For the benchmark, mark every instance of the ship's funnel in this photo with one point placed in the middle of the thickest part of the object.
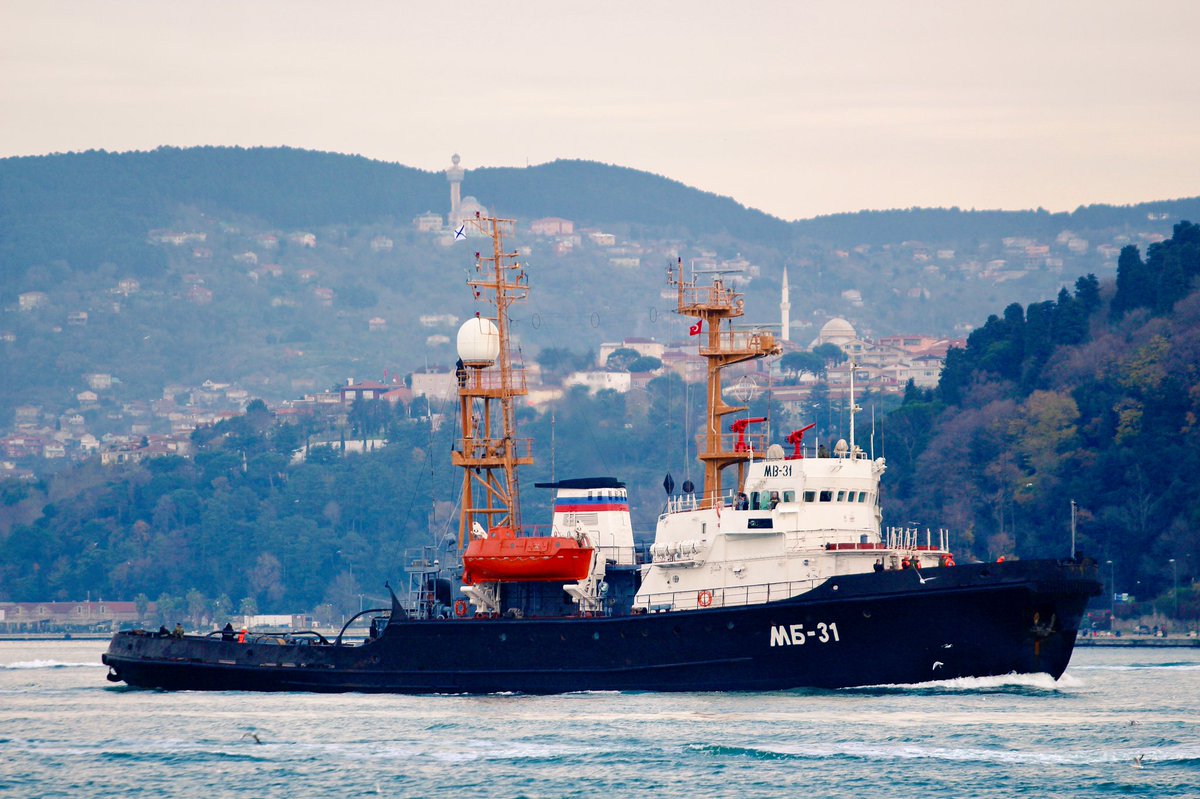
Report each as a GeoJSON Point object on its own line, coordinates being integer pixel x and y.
{"type": "Point", "coordinates": [478, 343]}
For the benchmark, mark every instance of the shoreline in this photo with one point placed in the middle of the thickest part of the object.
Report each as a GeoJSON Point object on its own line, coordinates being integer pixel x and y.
{"type": "Point", "coordinates": [1140, 641]}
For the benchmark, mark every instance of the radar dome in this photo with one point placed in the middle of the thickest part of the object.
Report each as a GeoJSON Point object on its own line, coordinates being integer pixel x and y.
{"type": "Point", "coordinates": [478, 342]}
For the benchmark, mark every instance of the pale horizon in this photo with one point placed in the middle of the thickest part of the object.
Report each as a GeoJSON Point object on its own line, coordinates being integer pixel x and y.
{"type": "Point", "coordinates": [792, 110]}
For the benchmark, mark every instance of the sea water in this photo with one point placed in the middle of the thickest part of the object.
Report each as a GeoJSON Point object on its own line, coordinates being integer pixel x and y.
{"type": "Point", "coordinates": [67, 732]}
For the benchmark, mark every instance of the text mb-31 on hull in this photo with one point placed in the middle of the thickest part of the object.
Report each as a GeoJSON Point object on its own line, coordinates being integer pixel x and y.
{"type": "Point", "coordinates": [784, 580]}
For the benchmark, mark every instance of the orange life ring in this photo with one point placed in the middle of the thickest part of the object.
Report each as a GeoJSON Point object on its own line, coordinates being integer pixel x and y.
{"type": "Point", "coordinates": [704, 598]}
{"type": "Point", "coordinates": [460, 608]}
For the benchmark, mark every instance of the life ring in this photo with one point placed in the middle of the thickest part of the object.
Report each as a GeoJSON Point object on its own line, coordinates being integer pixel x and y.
{"type": "Point", "coordinates": [704, 598]}
{"type": "Point", "coordinates": [460, 607]}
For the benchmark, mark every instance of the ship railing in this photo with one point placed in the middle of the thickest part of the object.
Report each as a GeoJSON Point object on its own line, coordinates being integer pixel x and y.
{"type": "Point", "coordinates": [493, 380]}
{"type": "Point", "coordinates": [734, 341]}
{"type": "Point", "coordinates": [679, 503]}
{"type": "Point", "coordinates": [492, 449]}
{"type": "Point", "coordinates": [830, 538]}
{"type": "Point", "coordinates": [913, 538]}
{"type": "Point", "coordinates": [617, 554]}
{"type": "Point", "coordinates": [728, 597]}
{"type": "Point", "coordinates": [711, 296]}
{"type": "Point", "coordinates": [753, 444]}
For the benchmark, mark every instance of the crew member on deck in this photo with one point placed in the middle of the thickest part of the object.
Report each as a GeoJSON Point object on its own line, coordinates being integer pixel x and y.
{"type": "Point", "coordinates": [878, 565]}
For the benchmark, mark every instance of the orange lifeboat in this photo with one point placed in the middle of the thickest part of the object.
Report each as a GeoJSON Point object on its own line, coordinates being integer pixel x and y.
{"type": "Point", "coordinates": [504, 557]}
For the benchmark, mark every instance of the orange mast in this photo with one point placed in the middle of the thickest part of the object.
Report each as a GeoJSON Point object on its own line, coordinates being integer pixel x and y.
{"type": "Point", "coordinates": [488, 451]}
{"type": "Point", "coordinates": [710, 306]}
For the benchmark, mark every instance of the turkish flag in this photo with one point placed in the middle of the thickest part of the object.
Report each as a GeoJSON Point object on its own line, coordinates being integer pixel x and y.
{"type": "Point", "coordinates": [694, 330]}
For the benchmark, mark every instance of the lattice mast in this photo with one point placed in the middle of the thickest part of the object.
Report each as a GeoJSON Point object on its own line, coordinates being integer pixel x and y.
{"type": "Point", "coordinates": [489, 451]}
{"type": "Point", "coordinates": [712, 306]}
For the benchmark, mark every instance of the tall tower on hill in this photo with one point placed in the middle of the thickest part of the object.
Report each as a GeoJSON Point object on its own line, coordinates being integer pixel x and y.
{"type": "Point", "coordinates": [455, 175]}
{"type": "Point", "coordinates": [785, 307]}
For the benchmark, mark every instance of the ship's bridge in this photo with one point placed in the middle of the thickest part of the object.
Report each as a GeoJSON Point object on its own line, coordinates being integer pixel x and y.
{"type": "Point", "coordinates": [836, 484]}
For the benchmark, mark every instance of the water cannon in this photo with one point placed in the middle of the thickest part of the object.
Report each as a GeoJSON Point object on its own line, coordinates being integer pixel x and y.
{"type": "Point", "coordinates": [739, 427]}
{"type": "Point", "coordinates": [796, 439]}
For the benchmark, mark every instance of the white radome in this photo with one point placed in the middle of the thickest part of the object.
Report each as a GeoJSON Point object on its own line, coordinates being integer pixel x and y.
{"type": "Point", "coordinates": [478, 342]}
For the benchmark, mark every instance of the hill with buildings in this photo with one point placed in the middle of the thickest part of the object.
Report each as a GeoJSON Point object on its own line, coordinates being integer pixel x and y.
{"type": "Point", "coordinates": [144, 294]}
{"type": "Point", "coordinates": [1092, 397]}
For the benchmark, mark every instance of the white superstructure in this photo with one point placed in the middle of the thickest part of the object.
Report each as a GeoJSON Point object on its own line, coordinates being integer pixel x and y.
{"type": "Point", "coordinates": [797, 522]}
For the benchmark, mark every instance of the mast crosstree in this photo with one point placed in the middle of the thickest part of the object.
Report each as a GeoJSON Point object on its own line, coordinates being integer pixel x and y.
{"type": "Point", "coordinates": [488, 451]}
{"type": "Point", "coordinates": [712, 306]}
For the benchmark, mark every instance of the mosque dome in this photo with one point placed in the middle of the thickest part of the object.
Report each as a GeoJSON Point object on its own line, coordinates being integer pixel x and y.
{"type": "Point", "coordinates": [468, 208]}
{"type": "Point", "coordinates": [837, 331]}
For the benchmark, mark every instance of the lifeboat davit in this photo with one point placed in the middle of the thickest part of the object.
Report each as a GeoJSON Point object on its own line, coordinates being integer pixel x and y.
{"type": "Point", "coordinates": [505, 557]}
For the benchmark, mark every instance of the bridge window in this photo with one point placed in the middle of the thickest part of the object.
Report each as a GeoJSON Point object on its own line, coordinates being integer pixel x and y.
{"type": "Point", "coordinates": [754, 501]}
{"type": "Point", "coordinates": [810, 496]}
{"type": "Point", "coordinates": [850, 495]}
{"type": "Point", "coordinates": [841, 496]}
{"type": "Point", "coordinates": [827, 496]}
{"type": "Point", "coordinates": [789, 496]}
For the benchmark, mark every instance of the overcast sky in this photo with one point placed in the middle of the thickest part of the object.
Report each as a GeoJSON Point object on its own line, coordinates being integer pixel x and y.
{"type": "Point", "coordinates": [797, 108]}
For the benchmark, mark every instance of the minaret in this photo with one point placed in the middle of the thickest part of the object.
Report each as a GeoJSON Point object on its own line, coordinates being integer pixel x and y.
{"type": "Point", "coordinates": [455, 175]}
{"type": "Point", "coordinates": [784, 307]}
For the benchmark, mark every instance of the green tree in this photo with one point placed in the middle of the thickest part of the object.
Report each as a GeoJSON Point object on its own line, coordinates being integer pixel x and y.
{"type": "Point", "coordinates": [830, 353]}
{"type": "Point", "coordinates": [620, 360]}
{"type": "Point", "coordinates": [645, 364]}
{"type": "Point", "coordinates": [798, 363]}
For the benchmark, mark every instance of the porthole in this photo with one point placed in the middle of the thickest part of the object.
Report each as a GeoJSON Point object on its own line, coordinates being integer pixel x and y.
{"type": "Point", "coordinates": [503, 636]}
{"type": "Point", "coordinates": [595, 636]}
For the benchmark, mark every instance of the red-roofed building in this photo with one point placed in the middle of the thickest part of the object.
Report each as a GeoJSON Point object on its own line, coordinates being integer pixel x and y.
{"type": "Point", "coordinates": [37, 616]}
{"type": "Point", "coordinates": [552, 226]}
{"type": "Point", "coordinates": [366, 390]}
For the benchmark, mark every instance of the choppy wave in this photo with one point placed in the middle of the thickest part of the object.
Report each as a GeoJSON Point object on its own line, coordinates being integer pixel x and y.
{"type": "Point", "coordinates": [49, 664]}
{"type": "Point", "coordinates": [1000, 683]}
{"type": "Point", "coordinates": [1178, 755]}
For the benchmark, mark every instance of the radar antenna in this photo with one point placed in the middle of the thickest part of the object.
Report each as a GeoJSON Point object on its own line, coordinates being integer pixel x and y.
{"type": "Point", "coordinates": [489, 451]}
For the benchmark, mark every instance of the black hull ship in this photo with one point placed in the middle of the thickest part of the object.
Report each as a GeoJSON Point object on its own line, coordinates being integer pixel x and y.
{"type": "Point", "coordinates": [869, 629]}
{"type": "Point", "coordinates": [783, 581]}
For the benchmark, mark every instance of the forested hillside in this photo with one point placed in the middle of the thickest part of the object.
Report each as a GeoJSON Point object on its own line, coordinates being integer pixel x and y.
{"type": "Point", "coordinates": [1093, 397]}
